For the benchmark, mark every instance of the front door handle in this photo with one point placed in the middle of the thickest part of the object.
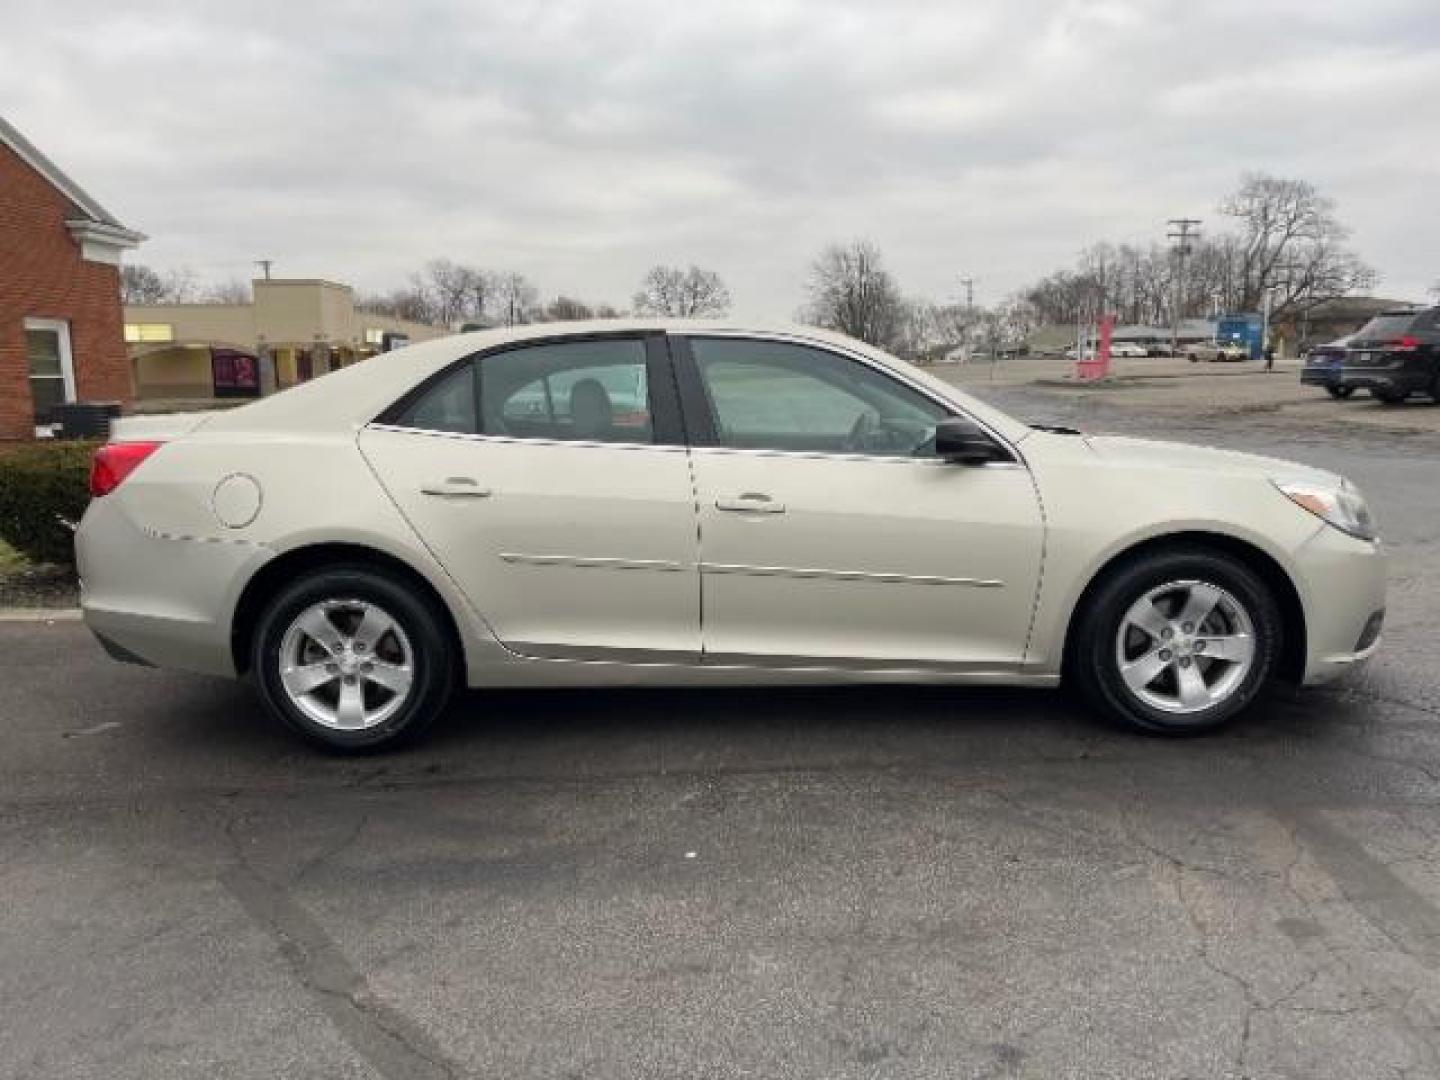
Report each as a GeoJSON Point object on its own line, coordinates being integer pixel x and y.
{"type": "Point", "coordinates": [752, 502]}
{"type": "Point", "coordinates": [457, 487]}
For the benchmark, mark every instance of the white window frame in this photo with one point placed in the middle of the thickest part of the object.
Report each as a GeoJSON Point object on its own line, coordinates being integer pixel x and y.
{"type": "Point", "coordinates": [61, 328]}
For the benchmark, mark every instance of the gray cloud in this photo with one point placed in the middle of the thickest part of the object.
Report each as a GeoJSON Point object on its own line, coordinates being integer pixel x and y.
{"type": "Point", "coordinates": [580, 142]}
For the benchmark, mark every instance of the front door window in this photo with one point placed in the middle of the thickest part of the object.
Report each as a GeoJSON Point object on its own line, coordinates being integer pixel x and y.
{"type": "Point", "coordinates": [52, 376]}
{"type": "Point", "coordinates": [773, 395]}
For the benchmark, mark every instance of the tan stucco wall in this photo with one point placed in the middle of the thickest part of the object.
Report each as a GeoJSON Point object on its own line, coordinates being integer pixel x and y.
{"type": "Point", "coordinates": [174, 373]}
{"type": "Point", "coordinates": [229, 324]}
{"type": "Point", "coordinates": [285, 311]}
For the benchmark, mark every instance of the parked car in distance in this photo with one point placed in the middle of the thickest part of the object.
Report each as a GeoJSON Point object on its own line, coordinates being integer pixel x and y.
{"type": "Point", "coordinates": [1219, 351]}
{"type": "Point", "coordinates": [1322, 367]}
{"type": "Point", "coordinates": [1076, 353]}
{"type": "Point", "coordinates": [1159, 349]}
{"type": "Point", "coordinates": [477, 512]}
{"type": "Point", "coordinates": [1127, 349]}
{"type": "Point", "coordinates": [1394, 355]}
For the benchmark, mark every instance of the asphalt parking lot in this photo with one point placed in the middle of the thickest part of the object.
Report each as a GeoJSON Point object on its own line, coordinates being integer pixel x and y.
{"type": "Point", "coordinates": [879, 882]}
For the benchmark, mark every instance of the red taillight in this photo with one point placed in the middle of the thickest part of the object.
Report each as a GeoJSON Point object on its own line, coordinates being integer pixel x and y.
{"type": "Point", "coordinates": [113, 462]}
{"type": "Point", "coordinates": [1408, 343]}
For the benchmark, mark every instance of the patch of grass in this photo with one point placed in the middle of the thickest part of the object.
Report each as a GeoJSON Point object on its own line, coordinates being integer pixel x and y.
{"type": "Point", "coordinates": [10, 559]}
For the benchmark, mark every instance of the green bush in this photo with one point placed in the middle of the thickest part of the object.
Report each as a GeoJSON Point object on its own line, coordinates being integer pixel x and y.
{"type": "Point", "coordinates": [40, 484]}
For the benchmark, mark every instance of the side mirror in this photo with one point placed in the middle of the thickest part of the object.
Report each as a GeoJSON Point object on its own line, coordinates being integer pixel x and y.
{"type": "Point", "coordinates": [964, 442]}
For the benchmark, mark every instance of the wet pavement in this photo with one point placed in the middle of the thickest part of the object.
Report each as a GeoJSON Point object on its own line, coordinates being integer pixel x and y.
{"type": "Point", "coordinates": [876, 882]}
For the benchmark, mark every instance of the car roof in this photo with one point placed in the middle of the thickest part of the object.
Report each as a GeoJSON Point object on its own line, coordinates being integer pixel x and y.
{"type": "Point", "coordinates": [353, 396]}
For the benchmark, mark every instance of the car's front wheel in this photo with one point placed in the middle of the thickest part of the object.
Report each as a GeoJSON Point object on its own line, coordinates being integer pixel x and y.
{"type": "Point", "coordinates": [1341, 392]}
{"type": "Point", "coordinates": [351, 659]}
{"type": "Point", "coordinates": [1176, 642]}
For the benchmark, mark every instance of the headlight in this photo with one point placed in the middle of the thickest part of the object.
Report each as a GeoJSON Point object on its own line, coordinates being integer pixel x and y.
{"type": "Point", "coordinates": [1342, 506]}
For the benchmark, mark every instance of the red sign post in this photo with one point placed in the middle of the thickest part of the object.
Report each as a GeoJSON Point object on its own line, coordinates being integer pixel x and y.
{"type": "Point", "coordinates": [1098, 365]}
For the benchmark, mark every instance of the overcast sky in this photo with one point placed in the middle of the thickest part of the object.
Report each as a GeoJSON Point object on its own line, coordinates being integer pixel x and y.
{"type": "Point", "coordinates": [580, 142]}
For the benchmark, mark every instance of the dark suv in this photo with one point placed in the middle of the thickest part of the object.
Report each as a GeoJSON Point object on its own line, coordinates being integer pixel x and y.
{"type": "Point", "coordinates": [1394, 355]}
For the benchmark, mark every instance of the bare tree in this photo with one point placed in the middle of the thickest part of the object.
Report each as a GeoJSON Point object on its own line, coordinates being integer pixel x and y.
{"type": "Point", "coordinates": [1291, 241]}
{"type": "Point", "coordinates": [480, 289]}
{"type": "Point", "coordinates": [850, 291]}
{"type": "Point", "coordinates": [449, 287]}
{"type": "Point", "coordinates": [140, 285]}
{"type": "Point", "coordinates": [683, 294]}
{"type": "Point", "coordinates": [233, 291]}
{"type": "Point", "coordinates": [516, 299]}
{"type": "Point", "coordinates": [567, 309]}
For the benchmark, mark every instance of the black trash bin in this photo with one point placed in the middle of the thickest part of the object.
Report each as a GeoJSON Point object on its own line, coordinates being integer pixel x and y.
{"type": "Point", "coordinates": [84, 419]}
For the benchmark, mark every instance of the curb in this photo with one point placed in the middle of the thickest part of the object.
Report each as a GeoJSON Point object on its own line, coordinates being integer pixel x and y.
{"type": "Point", "coordinates": [32, 615]}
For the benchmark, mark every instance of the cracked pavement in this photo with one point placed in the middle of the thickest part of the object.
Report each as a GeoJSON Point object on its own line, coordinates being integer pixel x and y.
{"type": "Point", "coordinates": [877, 882]}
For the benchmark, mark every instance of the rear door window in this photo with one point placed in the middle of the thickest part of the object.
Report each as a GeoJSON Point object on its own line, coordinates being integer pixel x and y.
{"type": "Point", "coordinates": [588, 391]}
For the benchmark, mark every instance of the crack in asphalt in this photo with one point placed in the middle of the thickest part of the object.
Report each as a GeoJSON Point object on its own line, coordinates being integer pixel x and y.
{"type": "Point", "coordinates": [394, 1045]}
{"type": "Point", "coordinates": [1404, 917]}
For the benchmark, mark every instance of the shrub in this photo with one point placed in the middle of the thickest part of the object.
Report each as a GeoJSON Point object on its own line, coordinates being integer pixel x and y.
{"type": "Point", "coordinates": [41, 484]}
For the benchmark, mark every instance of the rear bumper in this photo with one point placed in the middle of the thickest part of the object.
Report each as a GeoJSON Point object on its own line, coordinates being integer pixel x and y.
{"type": "Point", "coordinates": [1320, 376]}
{"type": "Point", "coordinates": [1343, 583]}
{"type": "Point", "coordinates": [166, 601]}
{"type": "Point", "coordinates": [1396, 380]}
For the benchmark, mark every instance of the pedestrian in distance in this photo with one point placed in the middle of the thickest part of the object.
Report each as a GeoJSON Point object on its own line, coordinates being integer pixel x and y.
{"type": "Point", "coordinates": [1269, 356]}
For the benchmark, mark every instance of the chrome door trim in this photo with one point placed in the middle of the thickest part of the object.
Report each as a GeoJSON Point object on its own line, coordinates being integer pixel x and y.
{"type": "Point", "coordinates": [466, 436]}
{"type": "Point", "coordinates": [543, 650]}
{"type": "Point", "coordinates": [879, 459]}
{"type": "Point", "coordinates": [847, 575]}
{"type": "Point", "coordinates": [588, 562]}
{"type": "Point", "coordinates": [537, 650]}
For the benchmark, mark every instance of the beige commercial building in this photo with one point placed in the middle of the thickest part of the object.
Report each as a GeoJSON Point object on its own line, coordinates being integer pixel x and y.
{"type": "Point", "coordinates": [293, 330]}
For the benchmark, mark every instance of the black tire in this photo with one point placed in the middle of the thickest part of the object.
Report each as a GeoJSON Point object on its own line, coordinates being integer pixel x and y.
{"type": "Point", "coordinates": [1341, 393]}
{"type": "Point", "coordinates": [1092, 664]}
{"type": "Point", "coordinates": [434, 655]}
{"type": "Point", "coordinates": [1389, 397]}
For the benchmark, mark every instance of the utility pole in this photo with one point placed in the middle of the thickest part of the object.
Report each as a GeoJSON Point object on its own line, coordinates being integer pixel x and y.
{"type": "Point", "coordinates": [265, 265]}
{"type": "Point", "coordinates": [969, 284]}
{"type": "Point", "coordinates": [1181, 233]}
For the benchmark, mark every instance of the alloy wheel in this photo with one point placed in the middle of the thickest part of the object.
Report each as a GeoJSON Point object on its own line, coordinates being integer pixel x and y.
{"type": "Point", "coordinates": [347, 664]}
{"type": "Point", "coordinates": [1184, 647]}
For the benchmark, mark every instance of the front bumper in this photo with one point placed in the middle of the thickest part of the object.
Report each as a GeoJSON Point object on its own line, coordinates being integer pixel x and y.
{"type": "Point", "coordinates": [1342, 583]}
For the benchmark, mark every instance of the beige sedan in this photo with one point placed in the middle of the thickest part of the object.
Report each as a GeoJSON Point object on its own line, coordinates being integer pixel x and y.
{"type": "Point", "coordinates": [693, 504]}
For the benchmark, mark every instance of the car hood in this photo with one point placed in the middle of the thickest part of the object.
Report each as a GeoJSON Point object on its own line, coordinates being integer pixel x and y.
{"type": "Point", "coordinates": [1123, 450]}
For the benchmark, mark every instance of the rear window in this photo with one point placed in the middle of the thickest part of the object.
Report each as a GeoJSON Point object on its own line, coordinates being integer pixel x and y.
{"type": "Point", "coordinates": [1388, 326]}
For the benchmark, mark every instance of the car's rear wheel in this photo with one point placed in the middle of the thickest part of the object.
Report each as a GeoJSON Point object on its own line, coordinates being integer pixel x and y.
{"type": "Point", "coordinates": [1341, 392]}
{"type": "Point", "coordinates": [1176, 642]}
{"type": "Point", "coordinates": [351, 659]}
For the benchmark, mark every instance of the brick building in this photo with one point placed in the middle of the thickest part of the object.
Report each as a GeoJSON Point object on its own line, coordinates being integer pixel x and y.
{"type": "Point", "coordinates": [61, 335]}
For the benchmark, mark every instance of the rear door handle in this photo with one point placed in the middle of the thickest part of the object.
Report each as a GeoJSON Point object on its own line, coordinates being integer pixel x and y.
{"type": "Point", "coordinates": [752, 502]}
{"type": "Point", "coordinates": [457, 487]}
